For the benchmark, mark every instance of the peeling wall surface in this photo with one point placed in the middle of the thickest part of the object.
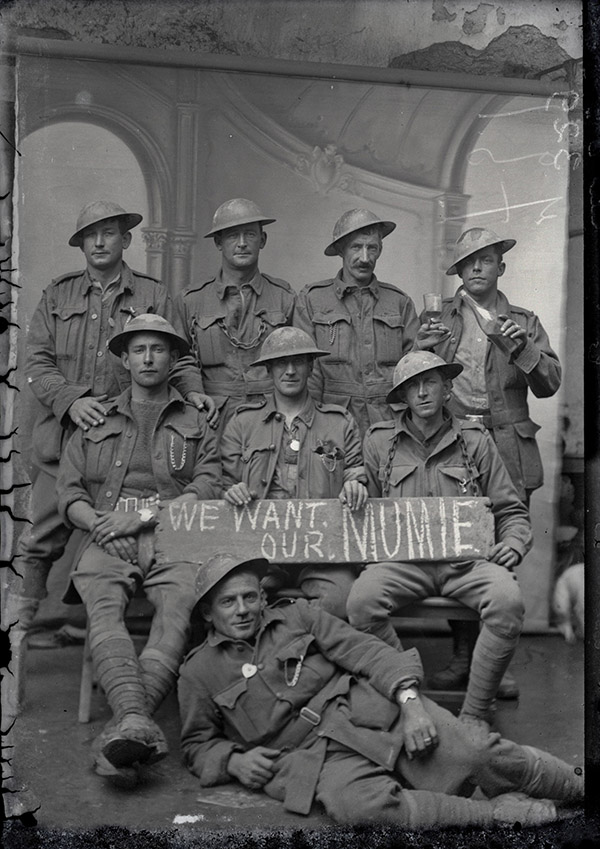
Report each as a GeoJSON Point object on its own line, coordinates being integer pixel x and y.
{"type": "Point", "coordinates": [366, 32]}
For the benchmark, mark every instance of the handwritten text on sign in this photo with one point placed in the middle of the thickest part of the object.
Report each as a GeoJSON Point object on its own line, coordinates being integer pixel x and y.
{"type": "Point", "coordinates": [297, 531]}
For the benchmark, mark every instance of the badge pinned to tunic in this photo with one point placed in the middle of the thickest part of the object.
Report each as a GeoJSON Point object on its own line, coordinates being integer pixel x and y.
{"type": "Point", "coordinates": [295, 445]}
{"type": "Point", "coordinates": [248, 670]}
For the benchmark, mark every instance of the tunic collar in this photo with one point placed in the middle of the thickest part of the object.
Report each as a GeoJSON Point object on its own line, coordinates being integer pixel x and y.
{"type": "Point", "coordinates": [306, 414]}
{"type": "Point", "coordinates": [342, 288]}
{"type": "Point", "coordinates": [126, 282]}
{"type": "Point", "coordinates": [256, 283]}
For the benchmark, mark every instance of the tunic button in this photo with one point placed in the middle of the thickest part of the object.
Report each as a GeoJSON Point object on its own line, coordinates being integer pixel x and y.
{"type": "Point", "coordinates": [278, 417]}
{"type": "Point", "coordinates": [260, 666]}
{"type": "Point", "coordinates": [99, 354]}
{"type": "Point", "coordinates": [118, 463]}
{"type": "Point", "coordinates": [271, 447]}
{"type": "Point", "coordinates": [108, 493]}
{"type": "Point", "coordinates": [94, 316]}
{"type": "Point", "coordinates": [263, 481]}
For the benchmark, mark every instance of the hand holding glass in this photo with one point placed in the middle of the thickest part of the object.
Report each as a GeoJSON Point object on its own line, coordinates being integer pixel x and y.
{"type": "Point", "coordinates": [433, 305]}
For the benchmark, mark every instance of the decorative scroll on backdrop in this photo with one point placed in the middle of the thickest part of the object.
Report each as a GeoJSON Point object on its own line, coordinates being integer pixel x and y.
{"type": "Point", "coordinates": [312, 531]}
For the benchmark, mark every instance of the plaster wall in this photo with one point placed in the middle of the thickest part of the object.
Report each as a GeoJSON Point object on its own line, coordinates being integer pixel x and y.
{"type": "Point", "coordinates": [361, 32]}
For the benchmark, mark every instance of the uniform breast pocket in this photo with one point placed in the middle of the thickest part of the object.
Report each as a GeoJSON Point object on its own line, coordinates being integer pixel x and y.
{"type": "Point", "coordinates": [529, 453]}
{"type": "Point", "coordinates": [389, 336]}
{"type": "Point", "coordinates": [301, 666]}
{"type": "Point", "coordinates": [273, 319]}
{"type": "Point", "coordinates": [330, 459]}
{"type": "Point", "coordinates": [69, 334]}
{"type": "Point", "coordinates": [332, 333]}
{"type": "Point", "coordinates": [232, 705]}
{"type": "Point", "coordinates": [255, 461]}
{"type": "Point", "coordinates": [398, 477]}
{"type": "Point", "coordinates": [181, 450]}
{"type": "Point", "coordinates": [458, 479]}
{"type": "Point", "coordinates": [101, 452]}
{"type": "Point", "coordinates": [209, 337]}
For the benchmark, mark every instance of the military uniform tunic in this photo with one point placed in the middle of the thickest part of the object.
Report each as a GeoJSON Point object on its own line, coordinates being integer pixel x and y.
{"type": "Point", "coordinates": [366, 330]}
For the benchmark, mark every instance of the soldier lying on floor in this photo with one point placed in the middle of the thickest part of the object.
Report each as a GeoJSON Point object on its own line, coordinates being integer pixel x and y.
{"type": "Point", "coordinates": [294, 701]}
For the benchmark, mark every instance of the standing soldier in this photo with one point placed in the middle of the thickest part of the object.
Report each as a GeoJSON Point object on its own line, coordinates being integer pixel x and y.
{"type": "Point", "coordinates": [71, 372]}
{"type": "Point", "coordinates": [289, 446]}
{"type": "Point", "coordinates": [364, 324]}
{"type": "Point", "coordinates": [505, 352]}
{"type": "Point", "coordinates": [227, 317]}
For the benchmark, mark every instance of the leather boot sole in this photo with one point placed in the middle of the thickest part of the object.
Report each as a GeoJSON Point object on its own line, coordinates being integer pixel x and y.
{"type": "Point", "coordinates": [125, 778]}
{"type": "Point", "coordinates": [123, 752]}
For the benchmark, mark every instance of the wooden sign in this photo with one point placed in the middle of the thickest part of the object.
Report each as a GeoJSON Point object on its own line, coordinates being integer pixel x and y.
{"type": "Point", "coordinates": [299, 531]}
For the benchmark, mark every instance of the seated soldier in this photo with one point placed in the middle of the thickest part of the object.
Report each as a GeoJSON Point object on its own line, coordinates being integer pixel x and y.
{"type": "Point", "coordinates": [288, 446]}
{"type": "Point", "coordinates": [425, 451]}
{"type": "Point", "coordinates": [296, 702]}
{"type": "Point", "coordinates": [152, 445]}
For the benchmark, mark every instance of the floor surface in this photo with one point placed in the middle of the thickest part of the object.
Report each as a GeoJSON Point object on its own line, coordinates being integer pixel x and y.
{"type": "Point", "coordinates": [53, 758]}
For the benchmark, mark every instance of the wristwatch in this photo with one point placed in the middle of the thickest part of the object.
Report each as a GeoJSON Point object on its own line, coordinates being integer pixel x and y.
{"type": "Point", "coordinates": [407, 695]}
{"type": "Point", "coordinates": [145, 514]}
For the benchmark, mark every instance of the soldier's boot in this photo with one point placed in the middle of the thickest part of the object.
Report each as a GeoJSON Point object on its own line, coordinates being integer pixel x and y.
{"type": "Point", "coordinates": [418, 809]}
{"type": "Point", "coordinates": [510, 808]}
{"type": "Point", "coordinates": [456, 675]}
{"type": "Point", "coordinates": [550, 777]}
{"type": "Point", "coordinates": [123, 777]}
{"type": "Point", "coordinates": [491, 657]}
{"type": "Point", "coordinates": [158, 682]}
{"type": "Point", "coordinates": [135, 738]}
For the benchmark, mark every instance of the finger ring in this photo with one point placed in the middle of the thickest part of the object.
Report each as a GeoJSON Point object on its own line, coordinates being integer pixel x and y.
{"type": "Point", "coordinates": [112, 533]}
{"type": "Point", "coordinates": [427, 739]}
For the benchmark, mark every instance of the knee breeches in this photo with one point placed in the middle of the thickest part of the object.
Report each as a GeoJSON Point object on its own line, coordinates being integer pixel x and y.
{"type": "Point", "coordinates": [492, 590]}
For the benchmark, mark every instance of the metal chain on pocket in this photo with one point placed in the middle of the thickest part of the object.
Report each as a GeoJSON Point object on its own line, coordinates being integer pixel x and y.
{"type": "Point", "coordinates": [332, 331]}
{"type": "Point", "coordinates": [194, 338]}
{"type": "Point", "coordinates": [472, 470]}
{"type": "Point", "coordinates": [385, 488]}
{"type": "Point", "coordinates": [174, 465]}
{"type": "Point", "coordinates": [246, 346]}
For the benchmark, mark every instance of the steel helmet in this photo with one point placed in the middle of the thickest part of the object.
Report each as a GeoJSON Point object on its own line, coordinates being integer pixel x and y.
{"type": "Point", "coordinates": [418, 362]}
{"type": "Point", "coordinates": [357, 219]}
{"type": "Point", "coordinates": [99, 210]}
{"type": "Point", "coordinates": [219, 566]}
{"type": "Point", "coordinates": [235, 212]}
{"type": "Point", "coordinates": [475, 239]}
{"type": "Point", "coordinates": [287, 342]}
{"type": "Point", "coordinates": [148, 321]}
